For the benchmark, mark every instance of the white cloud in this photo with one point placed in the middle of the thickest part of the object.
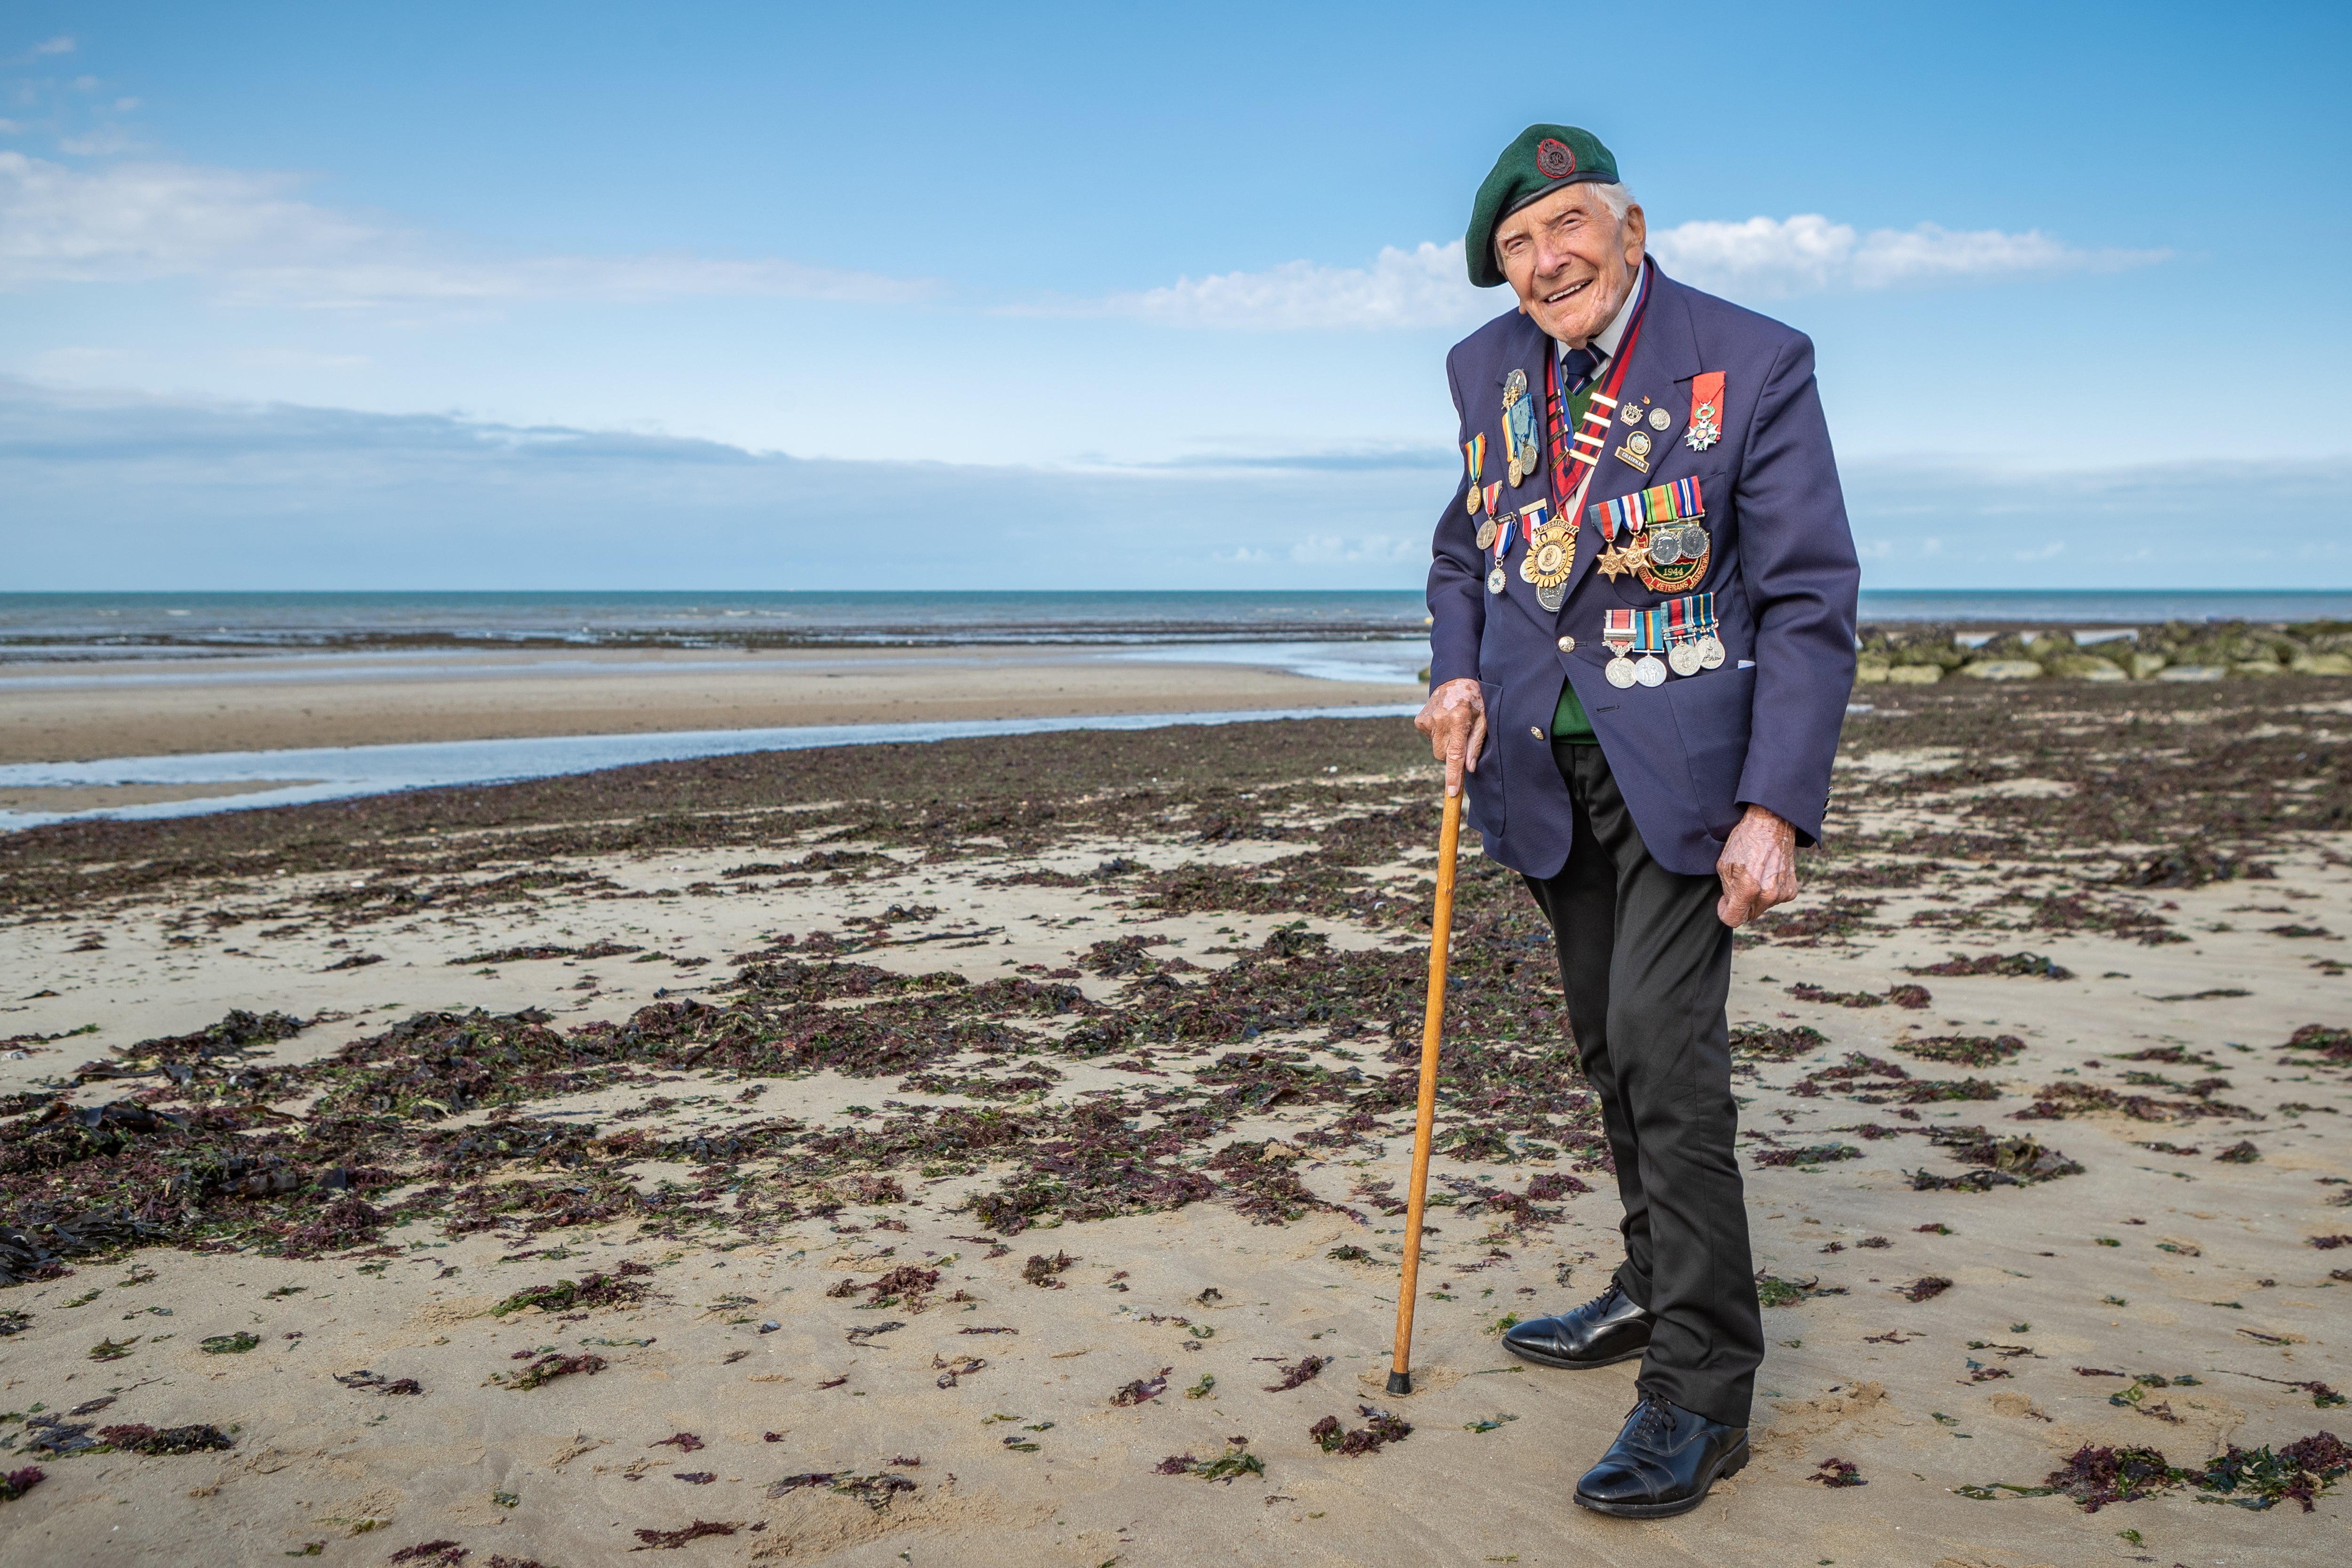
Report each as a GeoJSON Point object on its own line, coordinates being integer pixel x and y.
{"type": "Point", "coordinates": [254, 240]}
{"type": "Point", "coordinates": [1428, 287]}
{"type": "Point", "coordinates": [1423, 287]}
{"type": "Point", "coordinates": [1808, 253]}
{"type": "Point", "coordinates": [58, 45]}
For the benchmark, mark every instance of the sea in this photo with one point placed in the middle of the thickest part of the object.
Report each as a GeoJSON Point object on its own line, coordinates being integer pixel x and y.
{"type": "Point", "coordinates": [39, 626]}
{"type": "Point", "coordinates": [1346, 638]}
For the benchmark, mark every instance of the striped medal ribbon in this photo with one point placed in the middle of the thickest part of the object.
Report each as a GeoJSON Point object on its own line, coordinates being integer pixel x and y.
{"type": "Point", "coordinates": [1650, 641]}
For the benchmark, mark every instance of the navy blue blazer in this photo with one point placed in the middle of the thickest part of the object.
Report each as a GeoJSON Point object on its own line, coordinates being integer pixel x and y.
{"type": "Point", "coordinates": [1692, 754]}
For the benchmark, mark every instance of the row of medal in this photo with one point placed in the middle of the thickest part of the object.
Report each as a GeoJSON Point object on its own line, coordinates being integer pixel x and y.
{"type": "Point", "coordinates": [1684, 630]}
{"type": "Point", "coordinates": [1666, 542]}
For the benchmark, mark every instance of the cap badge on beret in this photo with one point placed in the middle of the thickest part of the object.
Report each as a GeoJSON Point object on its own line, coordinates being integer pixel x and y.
{"type": "Point", "coordinates": [1554, 158]}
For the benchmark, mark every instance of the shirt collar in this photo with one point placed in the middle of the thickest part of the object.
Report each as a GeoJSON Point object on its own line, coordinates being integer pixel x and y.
{"type": "Point", "coordinates": [1606, 340]}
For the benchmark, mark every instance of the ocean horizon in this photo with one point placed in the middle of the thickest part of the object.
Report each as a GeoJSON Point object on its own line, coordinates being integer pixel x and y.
{"type": "Point", "coordinates": [85, 624]}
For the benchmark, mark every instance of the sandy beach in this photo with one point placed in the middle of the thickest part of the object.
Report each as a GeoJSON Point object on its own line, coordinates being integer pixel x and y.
{"type": "Point", "coordinates": [122, 708]}
{"type": "Point", "coordinates": [933, 1154]}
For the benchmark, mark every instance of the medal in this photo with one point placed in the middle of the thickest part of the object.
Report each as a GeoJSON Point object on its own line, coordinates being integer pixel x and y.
{"type": "Point", "coordinates": [1615, 562]}
{"type": "Point", "coordinates": [1519, 428]}
{"type": "Point", "coordinates": [1636, 450]}
{"type": "Point", "coordinates": [1660, 420]}
{"type": "Point", "coordinates": [1710, 639]}
{"type": "Point", "coordinates": [1496, 535]}
{"type": "Point", "coordinates": [1682, 647]}
{"type": "Point", "coordinates": [1617, 637]}
{"type": "Point", "coordinates": [1706, 411]}
{"type": "Point", "coordinates": [1631, 414]}
{"type": "Point", "coordinates": [1553, 597]}
{"type": "Point", "coordinates": [1474, 452]}
{"type": "Point", "coordinates": [1649, 641]}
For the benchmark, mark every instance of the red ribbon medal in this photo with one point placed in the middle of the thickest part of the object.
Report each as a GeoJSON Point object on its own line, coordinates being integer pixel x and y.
{"type": "Point", "coordinates": [1706, 427]}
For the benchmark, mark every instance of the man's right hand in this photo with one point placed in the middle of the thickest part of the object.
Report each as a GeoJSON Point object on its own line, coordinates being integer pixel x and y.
{"type": "Point", "coordinates": [1455, 720]}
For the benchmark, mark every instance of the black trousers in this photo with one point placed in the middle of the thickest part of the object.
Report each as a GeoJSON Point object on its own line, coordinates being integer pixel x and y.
{"type": "Point", "coordinates": [1647, 966]}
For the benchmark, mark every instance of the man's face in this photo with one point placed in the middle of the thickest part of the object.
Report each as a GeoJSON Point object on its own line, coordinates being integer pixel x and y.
{"type": "Point", "coordinates": [1570, 260]}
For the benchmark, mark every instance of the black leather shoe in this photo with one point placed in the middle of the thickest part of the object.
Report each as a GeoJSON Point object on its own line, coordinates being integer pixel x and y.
{"type": "Point", "coordinates": [1662, 1463]}
{"type": "Point", "coordinates": [1604, 1331]}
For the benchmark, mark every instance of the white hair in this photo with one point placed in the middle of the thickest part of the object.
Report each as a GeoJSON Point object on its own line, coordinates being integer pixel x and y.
{"type": "Point", "coordinates": [1617, 198]}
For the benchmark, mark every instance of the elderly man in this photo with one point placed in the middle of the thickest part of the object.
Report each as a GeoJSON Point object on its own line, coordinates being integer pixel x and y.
{"type": "Point", "coordinates": [1642, 607]}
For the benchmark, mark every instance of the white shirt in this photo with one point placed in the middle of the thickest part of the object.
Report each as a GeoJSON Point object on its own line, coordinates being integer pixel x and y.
{"type": "Point", "coordinates": [1604, 341]}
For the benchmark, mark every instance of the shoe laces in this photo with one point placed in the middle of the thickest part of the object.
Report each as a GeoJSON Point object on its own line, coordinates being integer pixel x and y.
{"type": "Point", "coordinates": [1602, 1297]}
{"type": "Point", "coordinates": [1650, 1417]}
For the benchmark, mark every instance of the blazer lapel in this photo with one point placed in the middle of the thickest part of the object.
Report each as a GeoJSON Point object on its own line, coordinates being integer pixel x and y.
{"type": "Point", "coordinates": [1663, 360]}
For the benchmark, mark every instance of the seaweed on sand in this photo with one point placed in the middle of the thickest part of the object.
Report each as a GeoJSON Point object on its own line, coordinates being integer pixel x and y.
{"type": "Point", "coordinates": [2002, 1162]}
{"type": "Point", "coordinates": [1379, 1429]}
{"type": "Point", "coordinates": [2006, 963]}
{"type": "Point", "coordinates": [596, 1290]}
{"type": "Point", "coordinates": [1963, 1050]}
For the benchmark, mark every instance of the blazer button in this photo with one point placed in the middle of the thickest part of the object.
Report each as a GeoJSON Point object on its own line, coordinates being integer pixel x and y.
{"type": "Point", "coordinates": [1537, 730]}
{"type": "Point", "coordinates": [1568, 645]}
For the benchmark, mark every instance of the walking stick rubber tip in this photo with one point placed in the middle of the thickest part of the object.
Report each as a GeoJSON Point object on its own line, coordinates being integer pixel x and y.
{"type": "Point", "coordinates": [1400, 1382]}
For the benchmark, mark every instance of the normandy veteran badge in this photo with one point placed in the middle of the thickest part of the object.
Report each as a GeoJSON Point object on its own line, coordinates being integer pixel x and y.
{"type": "Point", "coordinates": [1519, 428]}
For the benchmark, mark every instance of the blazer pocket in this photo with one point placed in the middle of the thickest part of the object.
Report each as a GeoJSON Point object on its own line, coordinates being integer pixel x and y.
{"type": "Point", "coordinates": [1714, 712]}
{"type": "Point", "coordinates": [1484, 788]}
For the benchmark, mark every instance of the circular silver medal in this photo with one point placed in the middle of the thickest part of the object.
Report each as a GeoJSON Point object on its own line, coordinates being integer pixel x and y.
{"type": "Point", "coordinates": [1684, 658]}
{"type": "Point", "coordinates": [1660, 419]}
{"type": "Point", "coordinates": [1649, 671]}
{"type": "Point", "coordinates": [1665, 546]}
{"type": "Point", "coordinates": [1551, 598]}
{"type": "Point", "coordinates": [1486, 535]}
{"type": "Point", "coordinates": [1495, 581]}
{"type": "Point", "coordinates": [1711, 652]}
{"type": "Point", "coordinates": [1620, 671]}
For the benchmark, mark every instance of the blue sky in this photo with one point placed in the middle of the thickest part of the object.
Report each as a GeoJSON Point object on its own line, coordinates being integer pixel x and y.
{"type": "Point", "coordinates": [703, 296]}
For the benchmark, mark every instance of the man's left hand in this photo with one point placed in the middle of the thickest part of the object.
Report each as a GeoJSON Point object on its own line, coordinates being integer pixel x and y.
{"type": "Point", "coordinates": [1759, 867]}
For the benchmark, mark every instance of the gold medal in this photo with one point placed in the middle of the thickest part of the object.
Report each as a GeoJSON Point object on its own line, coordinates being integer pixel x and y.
{"type": "Point", "coordinates": [1486, 535]}
{"type": "Point", "coordinates": [1636, 450]}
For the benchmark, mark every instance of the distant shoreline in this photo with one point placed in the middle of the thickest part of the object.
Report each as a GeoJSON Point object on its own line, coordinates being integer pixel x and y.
{"type": "Point", "coordinates": [75, 627]}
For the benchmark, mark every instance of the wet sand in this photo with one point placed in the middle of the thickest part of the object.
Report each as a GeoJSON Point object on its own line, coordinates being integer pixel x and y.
{"type": "Point", "coordinates": [1176, 976]}
{"type": "Point", "coordinates": [52, 713]}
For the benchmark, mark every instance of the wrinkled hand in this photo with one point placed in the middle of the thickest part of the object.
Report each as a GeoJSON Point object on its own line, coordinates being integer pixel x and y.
{"type": "Point", "coordinates": [1455, 720]}
{"type": "Point", "coordinates": [1759, 867]}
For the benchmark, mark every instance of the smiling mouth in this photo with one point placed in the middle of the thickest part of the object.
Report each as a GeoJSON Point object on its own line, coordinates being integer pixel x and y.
{"type": "Point", "coordinates": [1572, 288]}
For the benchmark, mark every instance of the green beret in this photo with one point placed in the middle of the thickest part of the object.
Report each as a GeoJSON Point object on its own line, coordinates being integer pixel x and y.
{"type": "Point", "coordinates": [1540, 160]}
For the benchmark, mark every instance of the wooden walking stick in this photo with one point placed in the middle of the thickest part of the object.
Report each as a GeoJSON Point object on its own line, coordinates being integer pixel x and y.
{"type": "Point", "coordinates": [1433, 1028]}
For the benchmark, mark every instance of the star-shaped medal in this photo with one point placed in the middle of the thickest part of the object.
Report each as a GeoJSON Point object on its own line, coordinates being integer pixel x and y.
{"type": "Point", "coordinates": [1614, 564]}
